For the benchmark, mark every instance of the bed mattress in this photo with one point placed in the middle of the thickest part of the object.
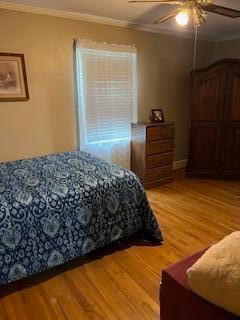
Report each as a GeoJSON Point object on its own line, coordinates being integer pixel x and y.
{"type": "Point", "coordinates": [59, 207]}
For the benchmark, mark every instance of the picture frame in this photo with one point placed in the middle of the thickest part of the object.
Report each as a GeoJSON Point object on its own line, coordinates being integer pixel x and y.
{"type": "Point", "coordinates": [158, 115]}
{"type": "Point", "coordinates": [13, 78]}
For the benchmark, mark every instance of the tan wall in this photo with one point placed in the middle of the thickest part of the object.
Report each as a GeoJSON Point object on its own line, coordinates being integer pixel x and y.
{"type": "Point", "coordinates": [227, 49]}
{"type": "Point", "coordinates": [46, 123]}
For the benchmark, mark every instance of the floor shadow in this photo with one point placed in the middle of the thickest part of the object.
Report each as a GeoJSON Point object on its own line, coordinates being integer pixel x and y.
{"type": "Point", "coordinates": [135, 240]}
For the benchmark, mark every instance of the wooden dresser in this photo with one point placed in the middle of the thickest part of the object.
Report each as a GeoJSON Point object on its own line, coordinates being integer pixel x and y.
{"type": "Point", "coordinates": [152, 152]}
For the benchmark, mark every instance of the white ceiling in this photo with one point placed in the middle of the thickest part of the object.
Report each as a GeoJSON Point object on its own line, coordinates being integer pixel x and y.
{"type": "Point", "coordinates": [216, 28]}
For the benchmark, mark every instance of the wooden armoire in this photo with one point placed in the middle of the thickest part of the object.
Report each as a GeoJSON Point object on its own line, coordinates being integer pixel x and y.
{"type": "Point", "coordinates": [215, 133]}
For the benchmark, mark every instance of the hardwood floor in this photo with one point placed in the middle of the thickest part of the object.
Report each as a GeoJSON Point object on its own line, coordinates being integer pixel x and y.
{"type": "Point", "coordinates": [122, 282]}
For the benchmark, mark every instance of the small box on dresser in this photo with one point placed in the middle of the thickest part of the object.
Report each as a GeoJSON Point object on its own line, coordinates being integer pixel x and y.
{"type": "Point", "coordinates": [152, 152]}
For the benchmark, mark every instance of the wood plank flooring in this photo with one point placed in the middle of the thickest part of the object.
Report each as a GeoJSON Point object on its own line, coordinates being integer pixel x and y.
{"type": "Point", "coordinates": [122, 281]}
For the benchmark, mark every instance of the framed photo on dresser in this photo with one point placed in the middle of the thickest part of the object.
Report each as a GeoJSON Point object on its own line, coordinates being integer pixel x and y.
{"type": "Point", "coordinates": [13, 78]}
{"type": "Point", "coordinates": [157, 115]}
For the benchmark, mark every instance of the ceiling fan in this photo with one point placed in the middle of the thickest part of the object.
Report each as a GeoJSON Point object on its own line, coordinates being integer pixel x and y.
{"type": "Point", "coordinates": [196, 9]}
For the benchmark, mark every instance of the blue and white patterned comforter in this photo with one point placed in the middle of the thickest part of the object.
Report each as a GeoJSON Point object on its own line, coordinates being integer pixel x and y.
{"type": "Point", "coordinates": [59, 207]}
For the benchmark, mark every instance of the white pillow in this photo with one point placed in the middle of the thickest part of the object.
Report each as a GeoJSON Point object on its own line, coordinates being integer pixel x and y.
{"type": "Point", "coordinates": [216, 275]}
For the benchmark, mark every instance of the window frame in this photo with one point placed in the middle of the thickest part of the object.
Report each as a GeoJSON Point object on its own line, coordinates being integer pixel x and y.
{"type": "Point", "coordinates": [81, 96]}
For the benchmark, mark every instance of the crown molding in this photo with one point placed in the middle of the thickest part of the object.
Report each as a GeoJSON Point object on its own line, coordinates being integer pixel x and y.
{"type": "Point", "coordinates": [96, 19]}
{"type": "Point", "coordinates": [230, 38]}
{"type": "Point", "coordinates": [62, 14]}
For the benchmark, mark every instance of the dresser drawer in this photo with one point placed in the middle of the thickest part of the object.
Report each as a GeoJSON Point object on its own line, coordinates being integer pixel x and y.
{"type": "Point", "coordinates": [160, 146]}
{"type": "Point", "coordinates": [159, 160]}
{"type": "Point", "coordinates": [158, 173]}
{"type": "Point", "coordinates": [157, 133]}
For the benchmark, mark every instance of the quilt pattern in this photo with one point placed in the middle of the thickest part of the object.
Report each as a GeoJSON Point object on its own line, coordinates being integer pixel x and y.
{"type": "Point", "coordinates": [59, 207]}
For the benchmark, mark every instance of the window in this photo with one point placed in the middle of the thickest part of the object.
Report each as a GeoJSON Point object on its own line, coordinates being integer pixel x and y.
{"type": "Point", "coordinates": [107, 89]}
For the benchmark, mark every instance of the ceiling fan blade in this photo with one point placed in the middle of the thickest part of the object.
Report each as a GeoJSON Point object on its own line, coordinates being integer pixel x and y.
{"type": "Point", "coordinates": [228, 12]}
{"type": "Point", "coordinates": [157, 1]}
{"type": "Point", "coordinates": [167, 16]}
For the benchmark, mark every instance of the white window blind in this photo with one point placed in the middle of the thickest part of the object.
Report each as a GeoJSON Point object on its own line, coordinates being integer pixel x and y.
{"type": "Point", "coordinates": [107, 89]}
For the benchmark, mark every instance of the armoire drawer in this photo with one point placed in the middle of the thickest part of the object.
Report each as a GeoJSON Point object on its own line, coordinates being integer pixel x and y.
{"type": "Point", "coordinates": [161, 146]}
{"type": "Point", "coordinates": [158, 173]}
{"type": "Point", "coordinates": [157, 133]}
{"type": "Point", "coordinates": [159, 160]}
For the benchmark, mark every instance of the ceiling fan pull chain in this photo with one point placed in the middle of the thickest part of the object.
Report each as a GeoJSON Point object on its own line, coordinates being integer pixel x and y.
{"type": "Point", "coordinates": [195, 48]}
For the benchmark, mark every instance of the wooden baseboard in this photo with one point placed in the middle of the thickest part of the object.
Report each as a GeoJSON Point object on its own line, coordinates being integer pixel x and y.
{"type": "Point", "coordinates": [180, 164]}
{"type": "Point", "coordinates": [179, 169]}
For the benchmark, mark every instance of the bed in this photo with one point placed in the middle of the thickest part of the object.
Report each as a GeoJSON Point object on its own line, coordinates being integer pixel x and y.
{"type": "Point", "coordinates": [59, 207]}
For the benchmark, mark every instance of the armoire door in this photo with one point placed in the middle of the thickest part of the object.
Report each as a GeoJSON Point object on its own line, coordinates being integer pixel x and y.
{"type": "Point", "coordinates": [207, 120]}
{"type": "Point", "coordinates": [230, 151]}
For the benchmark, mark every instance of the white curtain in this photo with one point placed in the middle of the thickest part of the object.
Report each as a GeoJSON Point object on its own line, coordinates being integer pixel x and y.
{"type": "Point", "coordinates": [107, 99]}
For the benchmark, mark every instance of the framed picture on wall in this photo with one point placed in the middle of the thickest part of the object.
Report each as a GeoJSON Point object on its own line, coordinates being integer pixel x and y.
{"type": "Point", "coordinates": [13, 79]}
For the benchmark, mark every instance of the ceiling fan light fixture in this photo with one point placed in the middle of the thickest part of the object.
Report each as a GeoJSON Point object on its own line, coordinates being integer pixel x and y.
{"type": "Point", "coordinates": [196, 17]}
{"type": "Point", "coordinates": [195, 9]}
{"type": "Point", "coordinates": [182, 18]}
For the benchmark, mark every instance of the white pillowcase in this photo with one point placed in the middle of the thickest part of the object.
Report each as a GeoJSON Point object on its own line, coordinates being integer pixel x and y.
{"type": "Point", "coordinates": [216, 275]}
